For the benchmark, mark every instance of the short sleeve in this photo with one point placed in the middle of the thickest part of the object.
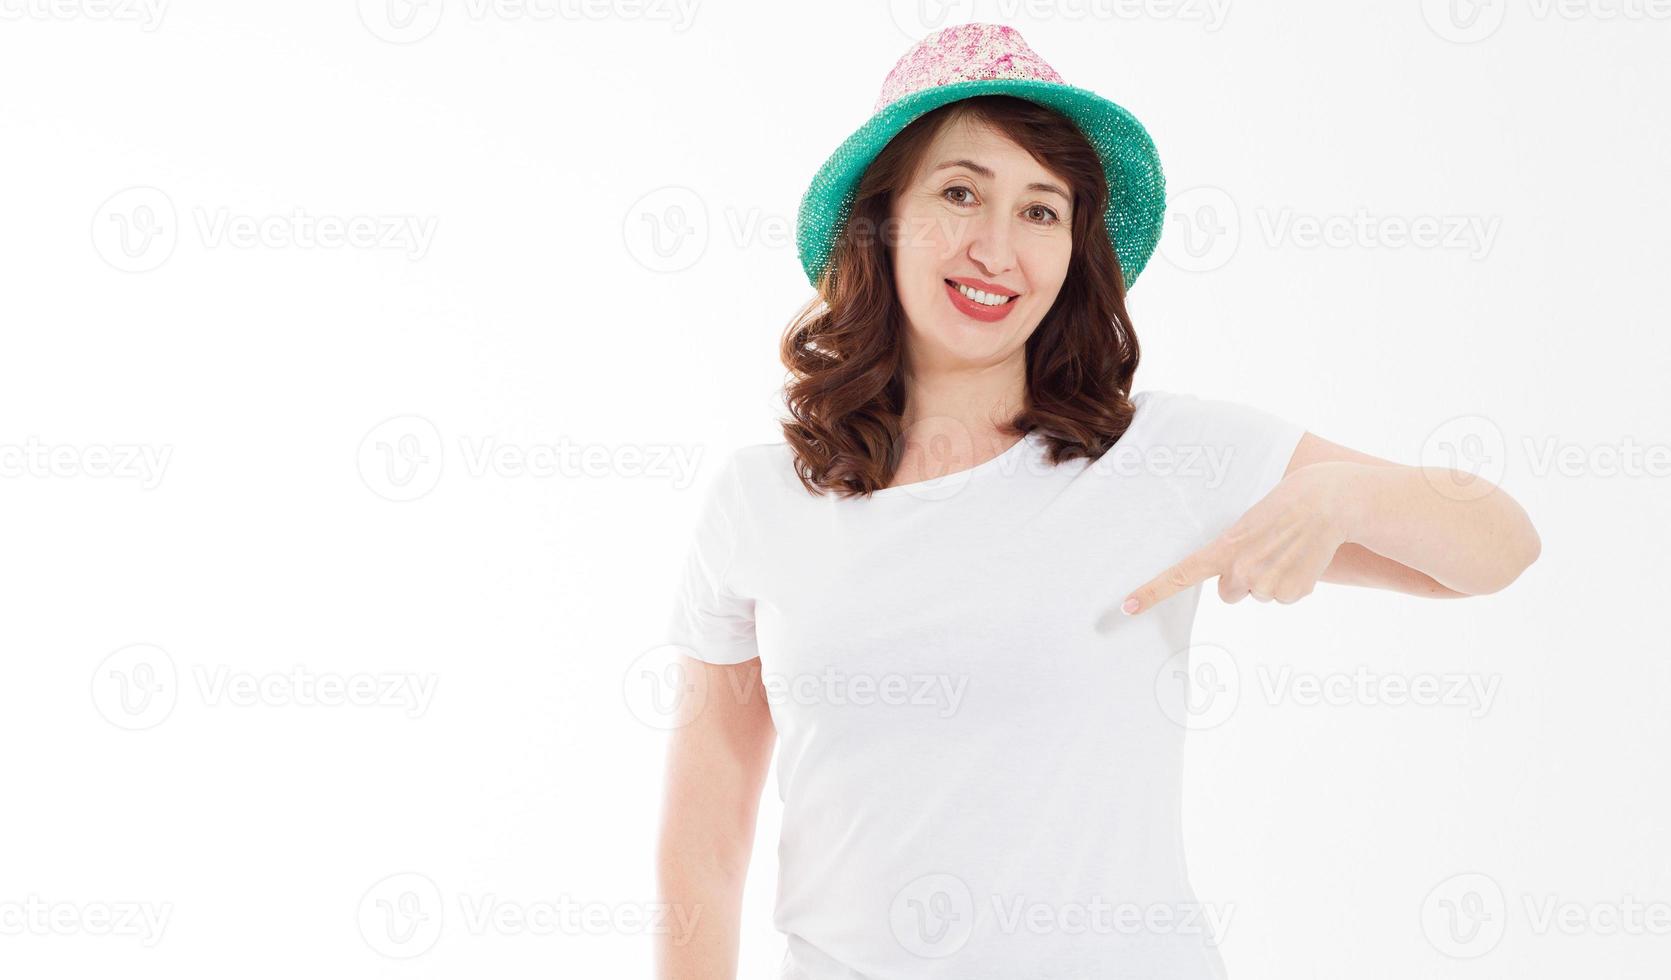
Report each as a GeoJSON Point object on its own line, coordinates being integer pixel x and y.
{"type": "Point", "coordinates": [1222, 456]}
{"type": "Point", "coordinates": [711, 620]}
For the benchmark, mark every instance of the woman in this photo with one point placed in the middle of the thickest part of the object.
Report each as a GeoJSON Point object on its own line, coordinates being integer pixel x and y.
{"type": "Point", "coordinates": [952, 591]}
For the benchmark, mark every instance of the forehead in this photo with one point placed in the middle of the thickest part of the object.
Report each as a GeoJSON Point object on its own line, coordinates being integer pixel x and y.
{"type": "Point", "coordinates": [975, 140]}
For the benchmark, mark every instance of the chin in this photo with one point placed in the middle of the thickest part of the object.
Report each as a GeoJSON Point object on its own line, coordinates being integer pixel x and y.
{"type": "Point", "coordinates": [966, 340]}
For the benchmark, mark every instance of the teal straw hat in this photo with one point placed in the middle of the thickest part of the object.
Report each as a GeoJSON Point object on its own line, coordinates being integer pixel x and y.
{"type": "Point", "coordinates": [990, 59]}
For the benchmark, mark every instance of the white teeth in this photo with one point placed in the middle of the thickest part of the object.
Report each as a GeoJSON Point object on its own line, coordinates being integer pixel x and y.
{"type": "Point", "coordinates": [985, 299]}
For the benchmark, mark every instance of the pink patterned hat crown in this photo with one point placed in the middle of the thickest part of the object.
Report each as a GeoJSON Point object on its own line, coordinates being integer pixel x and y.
{"type": "Point", "coordinates": [963, 53]}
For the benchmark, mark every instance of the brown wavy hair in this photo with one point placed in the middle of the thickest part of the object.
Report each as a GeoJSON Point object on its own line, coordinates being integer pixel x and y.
{"type": "Point", "coordinates": [844, 349]}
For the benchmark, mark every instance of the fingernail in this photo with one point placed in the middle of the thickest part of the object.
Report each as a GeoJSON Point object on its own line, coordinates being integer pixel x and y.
{"type": "Point", "coordinates": [1129, 606]}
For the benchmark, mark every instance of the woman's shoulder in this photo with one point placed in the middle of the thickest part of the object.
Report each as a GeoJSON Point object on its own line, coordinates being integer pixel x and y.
{"type": "Point", "coordinates": [1162, 406]}
{"type": "Point", "coordinates": [1157, 408]}
{"type": "Point", "coordinates": [1163, 399]}
{"type": "Point", "coordinates": [1175, 418]}
{"type": "Point", "coordinates": [759, 471]}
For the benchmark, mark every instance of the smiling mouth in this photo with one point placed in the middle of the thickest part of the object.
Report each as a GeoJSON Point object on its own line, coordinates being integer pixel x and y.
{"type": "Point", "coordinates": [979, 297]}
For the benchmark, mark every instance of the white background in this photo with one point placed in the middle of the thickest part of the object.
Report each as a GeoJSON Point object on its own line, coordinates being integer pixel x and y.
{"type": "Point", "coordinates": [603, 197]}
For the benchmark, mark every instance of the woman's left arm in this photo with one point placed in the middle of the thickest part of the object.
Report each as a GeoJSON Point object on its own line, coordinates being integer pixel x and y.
{"type": "Point", "coordinates": [1346, 517]}
{"type": "Point", "coordinates": [1462, 533]}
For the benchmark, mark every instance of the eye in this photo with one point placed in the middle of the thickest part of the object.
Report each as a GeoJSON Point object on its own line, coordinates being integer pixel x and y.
{"type": "Point", "coordinates": [1051, 217]}
{"type": "Point", "coordinates": [957, 187]}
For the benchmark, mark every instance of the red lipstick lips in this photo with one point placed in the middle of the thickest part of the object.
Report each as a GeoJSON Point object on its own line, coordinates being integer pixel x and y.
{"type": "Point", "coordinates": [980, 311]}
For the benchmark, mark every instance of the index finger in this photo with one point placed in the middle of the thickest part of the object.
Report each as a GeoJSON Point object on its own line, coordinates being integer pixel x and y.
{"type": "Point", "coordinates": [1195, 568]}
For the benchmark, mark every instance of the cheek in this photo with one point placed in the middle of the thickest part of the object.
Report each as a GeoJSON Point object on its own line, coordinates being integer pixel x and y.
{"type": "Point", "coordinates": [920, 243]}
{"type": "Point", "coordinates": [914, 284]}
{"type": "Point", "coordinates": [1047, 264]}
{"type": "Point", "coordinates": [919, 259]}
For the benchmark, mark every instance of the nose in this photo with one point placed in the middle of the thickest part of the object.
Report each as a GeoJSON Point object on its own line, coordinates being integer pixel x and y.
{"type": "Point", "coordinates": [990, 247]}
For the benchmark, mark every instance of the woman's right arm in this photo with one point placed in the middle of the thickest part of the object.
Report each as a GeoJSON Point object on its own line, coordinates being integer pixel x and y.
{"type": "Point", "coordinates": [716, 765]}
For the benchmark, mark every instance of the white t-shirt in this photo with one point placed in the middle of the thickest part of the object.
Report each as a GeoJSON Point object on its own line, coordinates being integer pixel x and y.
{"type": "Point", "coordinates": [979, 755]}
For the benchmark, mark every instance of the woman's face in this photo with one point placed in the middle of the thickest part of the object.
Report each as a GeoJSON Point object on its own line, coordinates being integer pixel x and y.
{"type": "Point", "coordinates": [980, 214]}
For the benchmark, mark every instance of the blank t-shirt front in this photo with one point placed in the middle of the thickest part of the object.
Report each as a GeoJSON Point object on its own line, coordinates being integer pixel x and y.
{"type": "Point", "coordinates": [979, 756]}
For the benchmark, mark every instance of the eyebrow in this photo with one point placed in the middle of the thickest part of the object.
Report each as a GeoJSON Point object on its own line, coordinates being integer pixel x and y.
{"type": "Point", "coordinates": [987, 173]}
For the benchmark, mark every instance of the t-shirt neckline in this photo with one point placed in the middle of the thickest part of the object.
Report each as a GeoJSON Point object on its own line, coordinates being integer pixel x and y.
{"type": "Point", "coordinates": [959, 476]}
